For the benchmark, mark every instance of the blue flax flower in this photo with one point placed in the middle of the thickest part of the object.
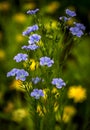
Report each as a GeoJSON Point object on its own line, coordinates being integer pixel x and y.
{"type": "Point", "coordinates": [79, 25]}
{"type": "Point", "coordinates": [20, 74]}
{"type": "Point", "coordinates": [58, 82]}
{"type": "Point", "coordinates": [32, 11]}
{"type": "Point", "coordinates": [64, 18]}
{"type": "Point", "coordinates": [34, 38]}
{"type": "Point", "coordinates": [46, 61]}
{"type": "Point", "coordinates": [13, 72]}
{"type": "Point", "coordinates": [36, 80]}
{"type": "Point", "coordinates": [70, 13]}
{"type": "Point", "coordinates": [30, 47]}
{"type": "Point", "coordinates": [30, 29]}
{"type": "Point", "coordinates": [37, 93]}
{"type": "Point", "coordinates": [76, 31]}
{"type": "Point", "coordinates": [20, 57]}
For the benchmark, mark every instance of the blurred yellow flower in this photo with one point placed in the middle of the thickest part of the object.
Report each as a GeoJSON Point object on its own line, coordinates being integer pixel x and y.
{"type": "Point", "coordinates": [19, 17]}
{"type": "Point", "coordinates": [77, 93]}
{"type": "Point", "coordinates": [52, 7]}
{"type": "Point", "coordinates": [9, 107]}
{"type": "Point", "coordinates": [4, 6]}
{"type": "Point", "coordinates": [54, 24]}
{"type": "Point", "coordinates": [2, 54]}
{"type": "Point", "coordinates": [19, 38]}
{"type": "Point", "coordinates": [68, 113]}
{"type": "Point", "coordinates": [18, 85]}
{"type": "Point", "coordinates": [28, 6]}
{"type": "Point", "coordinates": [19, 114]}
{"type": "Point", "coordinates": [51, 25]}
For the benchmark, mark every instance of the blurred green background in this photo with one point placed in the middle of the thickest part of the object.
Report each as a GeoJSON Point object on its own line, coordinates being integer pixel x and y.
{"type": "Point", "coordinates": [13, 21]}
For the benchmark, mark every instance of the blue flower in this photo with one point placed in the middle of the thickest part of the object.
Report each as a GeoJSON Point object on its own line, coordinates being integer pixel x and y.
{"type": "Point", "coordinates": [64, 18]}
{"type": "Point", "coordinates": [21, 74]}
{"type": "Point", "coordinates": [70, 13]}
{"type": "Point", "coordinates": [34, 38]}
{"type": "Point", "coordinates": [80, 26]}
{"type": "Point", "coordinates": [58, 82]}
{"type": "Point", "coordinates": [46, 61]}
{"type": "Point", "coordinates": [36, 80]}
{"type": "Point", "coordinates": [76, 31]}
{"type": "Point", "coordinates": [30, 47]}
{"type": "Point", "coordinates": [30, 29]}
{"type": "Point", "coordinates": [12, 72]}
{"type": "Point", "coordinates": [20, 57]}
{"type": "Point", "coordinates": [37, 93]}
{"type": "Point", "coordinates": [32, 11]}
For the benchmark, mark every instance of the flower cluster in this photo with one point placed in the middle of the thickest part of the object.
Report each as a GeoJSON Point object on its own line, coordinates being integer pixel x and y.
{"type": "Point", "coordinates": [20, 74]}
{"type": "Point", "coordinates": [58, 82]}
{"type": "Point", "coordinates": [32, 11]}
{"type": "Point", "coordinates": [30, 47]}
{"type": "Point", "coordinates": [69, 14]}
{"type": "Point", "coordinates": [36, 80]}
{"type": "Point", "coordinates": [33, 40]}
{"type": "Point", "coordinates": [21, 57]}
{"type": "Point", "coordinates": [64, 18]}
{"type": "Point", "coordinates": [77, 28]}
{"type": "Point", "coordinates": [46, 61]}
{"type": "Point", "coordinates": [30, 29]}
{"type": "Point", "coordinates": [43, 60]}
{"type": "Point", "coordinates": [37, 93]}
